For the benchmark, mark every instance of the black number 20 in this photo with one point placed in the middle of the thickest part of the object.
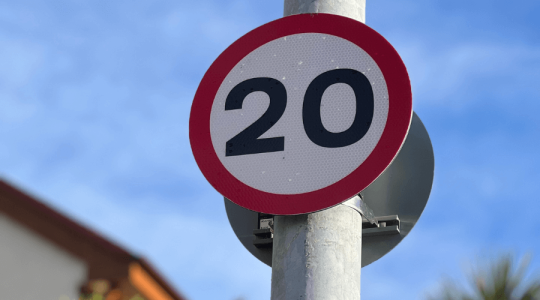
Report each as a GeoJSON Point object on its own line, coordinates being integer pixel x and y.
{"type": "Point", "coordinates": [248, 142]}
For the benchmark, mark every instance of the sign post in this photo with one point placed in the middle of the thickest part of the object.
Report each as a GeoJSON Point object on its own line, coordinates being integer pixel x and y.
{"type": "Point", "coordinates": [319, 255]}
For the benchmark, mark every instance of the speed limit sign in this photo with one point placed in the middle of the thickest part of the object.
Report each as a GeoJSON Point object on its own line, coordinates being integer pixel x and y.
{"type": "Point", "coordinates": [300, 114]}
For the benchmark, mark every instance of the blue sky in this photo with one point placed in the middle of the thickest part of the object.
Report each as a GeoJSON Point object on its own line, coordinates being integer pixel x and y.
{"type": "Point", "coordinates": [95, 99]}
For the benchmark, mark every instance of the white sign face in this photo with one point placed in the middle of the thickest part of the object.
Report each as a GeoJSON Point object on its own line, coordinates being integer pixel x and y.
{"type": "Point", "coordinates": [302, 165]}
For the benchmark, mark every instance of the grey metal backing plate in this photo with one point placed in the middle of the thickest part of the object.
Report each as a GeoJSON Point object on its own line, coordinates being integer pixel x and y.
{"type": "Point", "coordinates": [403, 189]}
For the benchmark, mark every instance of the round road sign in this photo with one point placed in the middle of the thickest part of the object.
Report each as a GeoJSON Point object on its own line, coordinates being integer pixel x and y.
{"type": "Point", "coordinates": [300, 114]}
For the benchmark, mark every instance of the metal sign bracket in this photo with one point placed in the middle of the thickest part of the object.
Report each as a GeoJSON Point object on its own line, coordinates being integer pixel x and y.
{"type": "Point", "coordinates": [371, 225]}
{"type": "Point", "coordinates": [358, 204]}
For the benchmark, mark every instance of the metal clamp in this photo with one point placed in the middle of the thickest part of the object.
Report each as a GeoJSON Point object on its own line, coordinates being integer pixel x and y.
{"type": "Point", "coordinates": [358, 204]}
{"type": "Point", "coordinates": [388, 225]}
{"type": "Point", "coordinates": [375, 226]}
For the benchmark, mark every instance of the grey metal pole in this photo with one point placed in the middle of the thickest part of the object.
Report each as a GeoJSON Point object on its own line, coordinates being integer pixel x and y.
{"type": "Point", "coordinates": [318, 256]}
{"type": "Point", "coordinates": [354, 9]}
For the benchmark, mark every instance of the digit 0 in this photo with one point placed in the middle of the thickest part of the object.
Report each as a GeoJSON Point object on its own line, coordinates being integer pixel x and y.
{"type": "Point", "coordinates": [311, 110]}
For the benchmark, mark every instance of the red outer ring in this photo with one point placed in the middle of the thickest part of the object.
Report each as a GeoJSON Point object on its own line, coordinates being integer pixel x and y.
{"type": "Point", "coordinates": [397, 126]}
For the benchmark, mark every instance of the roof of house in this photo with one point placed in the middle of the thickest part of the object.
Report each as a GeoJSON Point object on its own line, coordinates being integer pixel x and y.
{"type": "Point", "coordinates": [105, 260]}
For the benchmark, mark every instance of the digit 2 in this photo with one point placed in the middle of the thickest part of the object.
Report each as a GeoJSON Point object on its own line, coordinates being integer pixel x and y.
{"type": "Point", "coordinates": [247, 141]}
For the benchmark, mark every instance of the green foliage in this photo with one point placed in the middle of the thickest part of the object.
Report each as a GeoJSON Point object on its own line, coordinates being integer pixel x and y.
{"type": "Point", "coordinates": [500, 281]}
{"type": "Point", "coordinates": [93, 296]}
